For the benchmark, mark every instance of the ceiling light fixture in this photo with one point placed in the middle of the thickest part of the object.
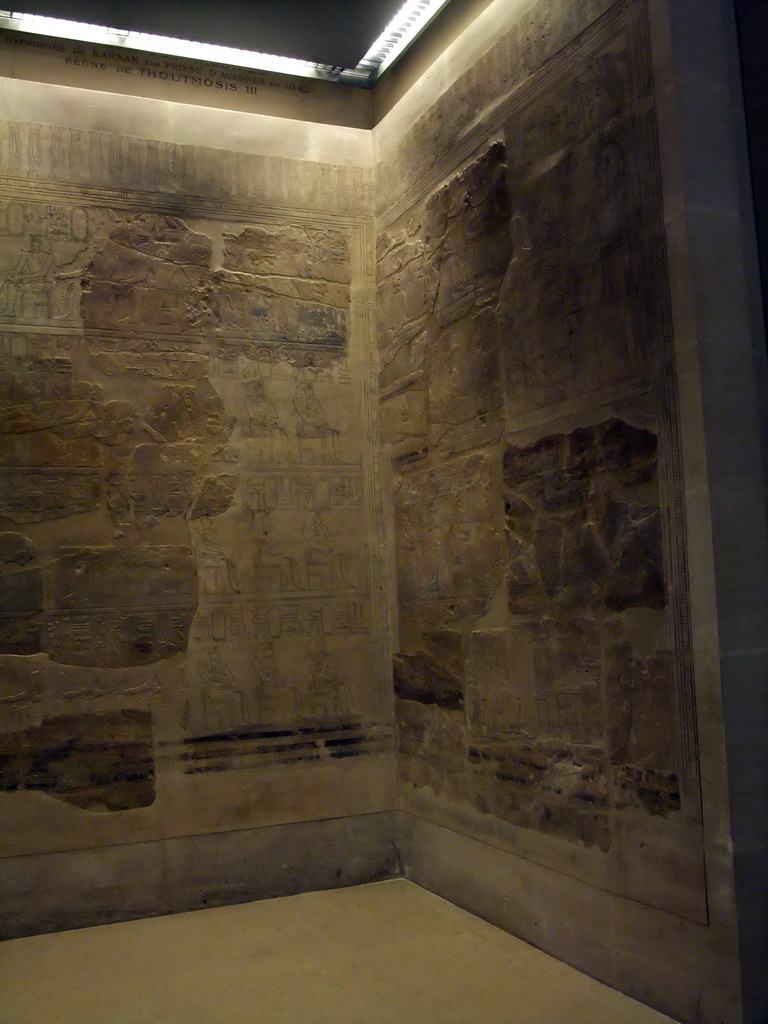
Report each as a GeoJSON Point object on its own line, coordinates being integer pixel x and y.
{"type": "Point", "coordinates": [43, 25]}
{"type": "Point", "coordinates": [407, 24]}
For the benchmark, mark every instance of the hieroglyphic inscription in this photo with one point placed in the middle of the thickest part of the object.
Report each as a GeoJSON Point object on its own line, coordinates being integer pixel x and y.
{"type": "Point", "coordinates": [298, 592]}
{"type": "Point", "coordinates": [21, 595]}
{"type": "Point", "coordinates": [115, 607]}
{"type": "Point", "coordinates": [283, 617]}
{"type": "Point", "coordinates": [100, 159]}
{"type": "Point", "coordinates": [53, 434]}
{"type": "Point", "coordinates": [46, 689]}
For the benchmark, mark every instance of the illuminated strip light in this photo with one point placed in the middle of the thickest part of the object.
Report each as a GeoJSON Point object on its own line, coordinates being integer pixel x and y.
{"type": "Point", "coordinates": [409, 22]}
{"type": "Point", "coordinates": [42, 25]}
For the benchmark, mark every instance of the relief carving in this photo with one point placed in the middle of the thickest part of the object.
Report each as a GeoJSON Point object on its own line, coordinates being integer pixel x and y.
{"type": "Point", "coordinates": [576, 303]}
{"type": "Point", "coordinates": [328, 694]}
{"type": "Point", "coordinates": [286, 686]}
{"type": "Point", "coordinates": [583, 521]}
{"type": "Point", "coordinates": [264, 422]}
{"type": "Point", "coordinates": [148, 274]}
{"type": "Point", "coordinates": [41, 248]}
{"type": "Point", "coordinates": [276, 700]}
{"type": "Point", "coordinates": [140, 569]}
{"type": "Point", "coordinates": [517, 296]}
{"type": "Point", "coordinates": [557, 711]}
{"type": "Point", "coordinates": [422, 678]}
{"type": "Point", "coordinates": [225, 702]}
{"type": "Point", "coordinates": [183, 411]}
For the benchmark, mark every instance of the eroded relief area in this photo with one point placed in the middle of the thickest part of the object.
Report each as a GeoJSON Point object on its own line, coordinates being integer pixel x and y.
{"type": "Point", "coordinates": [590, 695]}
{"type": "Point", "coordinates": [520, 333]}
{"type": "Point", "coordinates": [182, 547]}
{"type": "Point", "coordinates": [289, 285]}
{"type": "Point", "coordinates": [439, 281]}
{"type": "Point", "coordinates": [97, 763]}
{"type": "Point", "coordinates": [576, 307]}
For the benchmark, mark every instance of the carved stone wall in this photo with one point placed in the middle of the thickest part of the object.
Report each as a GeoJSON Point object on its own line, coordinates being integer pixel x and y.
{"type": "Point", "coordinates": [544, 679]}
{"type": "Point", "coordinates": [194, 623]}
{"type": "Point", "coordinates": [190, 569]}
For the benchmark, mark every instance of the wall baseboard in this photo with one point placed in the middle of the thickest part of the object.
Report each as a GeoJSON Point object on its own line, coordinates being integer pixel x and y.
{"type": "Point", "coordinates": [79, 888]}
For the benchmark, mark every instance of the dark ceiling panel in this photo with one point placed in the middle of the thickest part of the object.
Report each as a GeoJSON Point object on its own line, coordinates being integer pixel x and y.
{"type": "Point", "coordinates": [337, 32]}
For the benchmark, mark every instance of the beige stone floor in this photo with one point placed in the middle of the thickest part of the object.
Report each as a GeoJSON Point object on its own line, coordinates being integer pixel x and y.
{"type": "Point", "coordinates": [387, 953]}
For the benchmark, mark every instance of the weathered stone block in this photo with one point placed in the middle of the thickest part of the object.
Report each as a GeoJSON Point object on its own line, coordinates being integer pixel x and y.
{"type": "Point", "coordinates": [98, 762]}
{"type": "Point", "coordinates": [113, 606]}
{"type": "Point", "coordinates": [422, 678]}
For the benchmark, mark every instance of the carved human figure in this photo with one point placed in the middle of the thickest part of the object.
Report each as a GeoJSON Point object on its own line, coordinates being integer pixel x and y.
{"type": "Point", "coordinates": [328, 693]}
{"type": "Point", "coordinates": [264, 421]}
{"type": "Point", "coordinates": [313, 422]}
{"type": "Point", "coordinates": [275, 701]}
{"type": "Point", "coordinates": [27, 289]}
{"type": "Point", "coordinates": [275, 570]}
{"type": "Point", "coordinates": [218, 572]}
{"type": "Point", "coordinates": [326, 567]}
{"type": "Point", "coordinates": [224, 702]}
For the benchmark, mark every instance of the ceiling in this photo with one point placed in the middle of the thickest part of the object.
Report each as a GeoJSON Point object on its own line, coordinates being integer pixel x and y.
{"type": "Point", "coordinates": [331, 32]}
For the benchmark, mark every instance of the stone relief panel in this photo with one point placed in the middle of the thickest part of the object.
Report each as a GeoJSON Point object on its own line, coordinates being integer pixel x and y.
{"type": "Point", "coordinates": [115, 608]}
{"type": "Point", "coordinates": [587, 660]}
{"type": "Point", "coordinates": [187, 581]}
{"type": "Point", "coordinates": [145, 299]}
{"type": "Point", "coordinates": [21, 595]}
{"type": "Point", "coordinates": [148, 275]}
{"type": "Point", "coordinates": [528, 400]}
